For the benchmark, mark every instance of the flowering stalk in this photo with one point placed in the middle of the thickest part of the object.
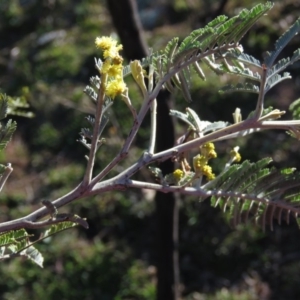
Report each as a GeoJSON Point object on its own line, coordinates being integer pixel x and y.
{"type": "Point", "coordinates": [111, 85]}
{"type": "Point", "coordinates": [200, 161]}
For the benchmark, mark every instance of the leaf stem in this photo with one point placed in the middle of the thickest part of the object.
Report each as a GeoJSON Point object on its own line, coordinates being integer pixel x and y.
{"type": "Point", "coordinates": [153, 129]}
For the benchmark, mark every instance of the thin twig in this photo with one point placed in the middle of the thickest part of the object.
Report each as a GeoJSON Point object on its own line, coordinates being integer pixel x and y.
{"type": "Point", "coordinates": [200, 192]}
{"type": "Point", "coordinates": [91, 161]}
{"type": "Point", "coordinates": [107, 169]}
{"type": "Point", "coordinates": [153, 110]}
{"type": "Point", "coordinates": [153, 129]}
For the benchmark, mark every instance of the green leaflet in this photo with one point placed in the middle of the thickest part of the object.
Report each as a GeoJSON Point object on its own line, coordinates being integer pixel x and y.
{"type": "Point", "coordinates": [251, 190]}
{"type": "Point", "coordinates": [13, 236]}
{"type": "Point", "coordinates": [240, 87]}
{"type": "Point", "coordinates": [17, 243]}
{"type": "Point", "coordinates": [6, 133]}
{"type": "Point", "coordinates": [247, 19]}
{"type": "Point", "coordinates": [276, 78]}
{"type": "Point", "coordinates": [55, 228]}
{"type": "Point", "coordinates": [34, 255]}
{"type": "Point", "coordinates": [295, 109]}
{"type": "Point", "coordinates": [217, 21]}
{"type": "Point", "coordinates": [170, 50]}
{"type": "Point", "coordinates": [282, 42]}
{"type": "Point", "coordinates": [184, 86]}
{"type": "Point", "coordinates": [246, 59]}
{"type": "Point", "coordinates": [283, 64]}
{"type": "Point", "coordinates": [199, 71]}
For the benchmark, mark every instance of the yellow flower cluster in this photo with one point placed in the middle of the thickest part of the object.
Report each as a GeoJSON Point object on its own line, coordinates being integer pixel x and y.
{"type": "Point", "coordinates": [208, 150]}
{"type": "Point", "coordinates": [207, 171]}
{"type": "Point", "coordinates": [109, 46]}
{"type": "Point", "coordinates": [200, 161]}
{"type": "Point", "coordinates": [235, 155]}
{"type": "Point", "coordinates": [178, 174]}
{"type": "Point", "coordinates": [201, 166]}
{"type": "Point", "coordinates": [112, 66]}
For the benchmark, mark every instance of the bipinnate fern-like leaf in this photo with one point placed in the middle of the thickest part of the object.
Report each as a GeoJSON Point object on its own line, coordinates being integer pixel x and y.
{"type": "Point", "coordinates": [217, 46]}
{"type": "Point", "coordinates": [218, 40]}
{"type": "Point", "coordinates": [254, 192]}
{"type": "Point", "coordinates": [281, 43]}
{"type": "Point", "coordinates": [208, 44]}
{"type": "Point", "coordinates": [273, 77]}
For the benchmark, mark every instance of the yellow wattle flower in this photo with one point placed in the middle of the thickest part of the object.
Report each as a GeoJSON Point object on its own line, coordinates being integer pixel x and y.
{"type": "Point", "coordinates": [105, 42]}
{"type": "Point", "coordinates": [209, 146]}
{"type": "Point", "coordinates": [112, 52]}
{"type": "Point", "coordinates": [235, 155]}
{"type": "Point", "coordinates": [115, 71]}
{"type": "Point", "coordinates": [198, 162]}
{"type": "Point", "coordinates": [208, 150]}
{"type": "Point", "coordinates": [115, 87]}
{"type": "Point", "coordinates": [178, 174]}
{"type": "Point", "coordinates": [201, 167]}
{"type": "Point", "coordinates": [105, 67]}
{"type": "Point", "coordinates": [112, 68]}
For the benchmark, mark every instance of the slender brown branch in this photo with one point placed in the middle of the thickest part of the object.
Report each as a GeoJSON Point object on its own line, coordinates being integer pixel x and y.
{"type": "Point", "coordinates": [94, 144]}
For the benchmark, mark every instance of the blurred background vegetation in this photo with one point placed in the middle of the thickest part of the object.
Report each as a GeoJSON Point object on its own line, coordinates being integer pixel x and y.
{"type": "Point", "coordinates": [47, 56]}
